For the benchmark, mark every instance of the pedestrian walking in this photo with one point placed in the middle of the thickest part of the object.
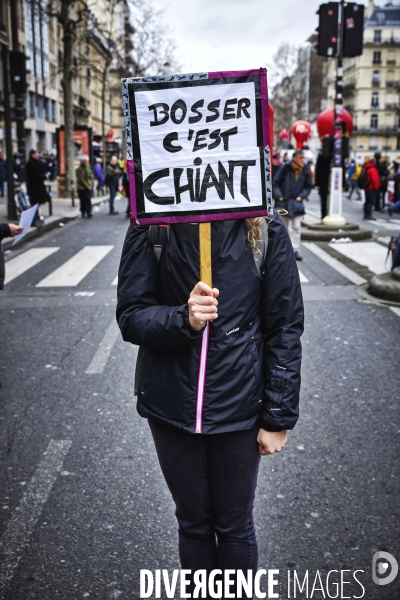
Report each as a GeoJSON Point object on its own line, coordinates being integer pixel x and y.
{"type": "Point", "coordinates": [125, 184]}
{"type": "Point", "coordinates": [209, 447]}
{"type": "Point", "coordinates": [84, 183]}
{"type": "Point", "coordinates": [291, 186]}
{"type": "Point", "coordinates": [353, 174]}
{"type": "Point", "coordinates": [372, 189]}
{"type": "Point", "coordinates": [99, 176]}
{"type": "Point", "coordinates": [113, 173]}
{"type": "Point", "coordinates": [6, 230]}
{"type": "Point", "coordinates": [322, 174]}
{"type": "Point", "coordinates": [276, 164]}
{"type": "Point", "coordinates": [383, 171]}
{"type": "Point", "coordinates": [36, 175]}
{"type": "Point", "coordinates": [3, 173]}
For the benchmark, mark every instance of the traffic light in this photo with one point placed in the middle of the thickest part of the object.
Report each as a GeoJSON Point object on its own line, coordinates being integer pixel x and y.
{"type": "Point", "coordinates": [328, 29]}
{"type": "Point", "coordinates": [17, 72]}
{"type": "Point", "coordinates": [353, 29]}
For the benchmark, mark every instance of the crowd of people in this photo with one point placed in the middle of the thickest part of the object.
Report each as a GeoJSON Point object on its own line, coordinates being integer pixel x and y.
{"type": "Point", "coordinates": [375, 184]}
{"type": "Point", "coordinates": [380, 180]}
{"type": "Point", "coordinates": [41, 169]}
{"type": "Point", "coordinates": [115, 178]}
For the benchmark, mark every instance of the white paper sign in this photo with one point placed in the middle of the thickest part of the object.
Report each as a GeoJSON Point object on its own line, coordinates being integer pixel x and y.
{"type": "Point", "coordinates": [196, 146]}
{"type": "Point", "coordinates": [25, 221]}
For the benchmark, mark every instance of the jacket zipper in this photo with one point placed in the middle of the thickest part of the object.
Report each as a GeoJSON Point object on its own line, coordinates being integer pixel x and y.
{"type": "Point", "coordinates": [201, 381]}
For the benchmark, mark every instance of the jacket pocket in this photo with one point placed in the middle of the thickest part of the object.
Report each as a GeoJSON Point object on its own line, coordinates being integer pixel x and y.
{"type": "Point", "coordinates": [274, 388]}
{"type": "Point", "coordinates": [256, 366]}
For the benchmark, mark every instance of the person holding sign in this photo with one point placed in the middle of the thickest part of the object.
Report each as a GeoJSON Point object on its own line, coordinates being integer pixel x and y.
{"type": "Point", "coordinates": [253, 373]}
{"type": "Point", "coordinates": [219, 365]}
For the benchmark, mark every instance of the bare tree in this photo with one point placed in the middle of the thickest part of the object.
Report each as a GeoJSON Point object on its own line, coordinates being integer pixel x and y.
{"type": "Point", "coordinates": [154, 50]}
{"type": "Point", "coordinates": [287, 95]}
{"type": "Point", "coordinates": [68, 17]}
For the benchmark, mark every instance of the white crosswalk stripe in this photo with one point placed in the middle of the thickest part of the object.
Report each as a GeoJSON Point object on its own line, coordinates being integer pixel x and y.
{"type": "Point", "coordinates": [104, 350]}
{"type": "Point", "coordinates": [392, 224]}
{"type": "Point", "coordinates": [367, 254]}
{"type": "Point", "coordinates": [25, 261]}
{"type": "Point", "coordinates": [303, 278]}
{"type": "Point", "coordinates": [76, 268]}
{"type": "Point", "coordinates": [335, 264]}
{"type": "Point", "coordinates": [115, 281]}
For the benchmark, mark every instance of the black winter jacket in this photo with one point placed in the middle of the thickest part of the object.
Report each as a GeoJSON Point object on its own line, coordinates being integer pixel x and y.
{"type": "Point", "coordinates": [286, 186]}
{"type": "Point", "coordinates": [254, 353]}
{"type": "Point", "coordinates": [36, 178]}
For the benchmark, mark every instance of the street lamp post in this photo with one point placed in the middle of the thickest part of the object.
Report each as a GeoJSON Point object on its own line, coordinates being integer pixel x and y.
{"type": "Point", "coordinates": [335, 217]}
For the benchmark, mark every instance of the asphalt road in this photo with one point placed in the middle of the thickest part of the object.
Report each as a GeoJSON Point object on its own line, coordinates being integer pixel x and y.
{"type": "Point", "coordinates": [83, 506]}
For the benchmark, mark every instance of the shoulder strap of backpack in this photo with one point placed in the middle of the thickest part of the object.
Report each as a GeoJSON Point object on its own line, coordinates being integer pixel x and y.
{"type": "Point", "coordinates": [158, 239]}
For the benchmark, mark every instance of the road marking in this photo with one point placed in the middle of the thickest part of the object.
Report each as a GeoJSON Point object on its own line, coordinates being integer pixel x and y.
{"type": "Point", "coordinates": [115, 281]}
{"type": "Point", "coordinates": [76, 268]}
{"type": "Point", "coordinates": [387, 224]}
{"type": "Point", "coordinates": [334, 263]}
{"type": "Point", "coordinates": [25, 261]}
{"type": "Point", "coordinates": [21, 525]}
{"type": "Point", "coordinates": [395, 310]}
{"type": "Point", "coordinates": [106, 345]}
{"type": "Point", "coordinates": [316, 216]}
{"type": "Point", "coordinates": [367, 254]}
{"type": "Point", "coordinates": [303, 278]}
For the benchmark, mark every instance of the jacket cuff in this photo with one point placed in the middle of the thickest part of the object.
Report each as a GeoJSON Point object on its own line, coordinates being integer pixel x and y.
{"type": "Point", "coordinates": [271, 428]}
{"type": "Point", "coordinates": [194, 333]}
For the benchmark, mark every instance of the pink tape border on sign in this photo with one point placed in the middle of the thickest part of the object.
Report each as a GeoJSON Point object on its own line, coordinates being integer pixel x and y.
{"type": "Point", "coordinates": [199, 218]}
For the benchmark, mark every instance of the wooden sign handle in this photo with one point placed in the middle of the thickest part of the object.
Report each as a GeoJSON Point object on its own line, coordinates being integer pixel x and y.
{"type": "Point", "coordinates": [205, 253]}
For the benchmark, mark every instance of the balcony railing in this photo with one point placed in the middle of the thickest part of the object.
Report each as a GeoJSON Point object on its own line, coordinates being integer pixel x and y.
{"type": "Point", "coordinates": [349, 87]}
{"type": "Point", "coordinates": [392, 106]}
{"type": "Point", "coordinates": [376, 83]}
{"type": "Point", "coordinates": [349, 107]}
{"type": "Point", "coordinates": [390, 62]}
{"type": "Point", "coordinates": [386, 131]}
{"type": "Point", "coordinates": [392, 41]}
{"type": "Point", "coordinates": [375, 105]}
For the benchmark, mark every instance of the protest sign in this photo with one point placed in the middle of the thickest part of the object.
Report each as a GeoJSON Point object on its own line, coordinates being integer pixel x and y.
{"type": "Point", "coordinates": [198, 146]}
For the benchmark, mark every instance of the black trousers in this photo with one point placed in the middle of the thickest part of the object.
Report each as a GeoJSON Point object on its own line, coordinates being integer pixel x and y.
{"type": "Point", "coordinates": [212, 479]}
{"type": "Point", "coordinates": [324, 204]}
{"type": "Point", "coordinates": [85, 197]}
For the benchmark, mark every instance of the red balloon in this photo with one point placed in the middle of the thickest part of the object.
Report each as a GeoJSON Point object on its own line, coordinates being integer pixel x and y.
{"type": "Point", "coordinates": [325, 122]}
{"type": "Point", "coordinates": [302, 132]}
{"type": "Point", "coordinates": [284, 134]}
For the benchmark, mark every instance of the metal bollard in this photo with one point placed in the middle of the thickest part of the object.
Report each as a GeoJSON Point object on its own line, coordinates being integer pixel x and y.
{"type": "Point", "coordinates": [72, 190]}
{"type": "Point", "coordinates": [50, 201]}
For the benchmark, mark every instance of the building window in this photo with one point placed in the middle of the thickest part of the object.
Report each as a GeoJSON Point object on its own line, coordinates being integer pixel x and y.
{"type": "Point", "coordinates": [374, 121]}
{"type": "Point", "coordinates": [377, 36]}
{"type": "Point", "coordinates": [377, 57]}
{"type": "Point", "coordinates": [376, 79]}
{"type": "Point", "coordinates": [373, 142]}
{"type": "Point", "coordinates": [32, 105]}
{"type": "Point", "coordinates": [381, 18]}
{"type": "Point", "coordinates": [375, 100]}
{"type": "Point", "coordinates": [40, 107]}
{"type": "Point", "coordinates": [53, 111]}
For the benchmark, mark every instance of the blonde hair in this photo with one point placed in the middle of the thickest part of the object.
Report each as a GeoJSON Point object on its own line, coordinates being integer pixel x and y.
{"type": "Point", "coordinates": [254, 231]}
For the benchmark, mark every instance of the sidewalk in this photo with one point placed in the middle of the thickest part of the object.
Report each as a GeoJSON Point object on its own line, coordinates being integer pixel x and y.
{"type": "Point", "coordinates": [63, 212]}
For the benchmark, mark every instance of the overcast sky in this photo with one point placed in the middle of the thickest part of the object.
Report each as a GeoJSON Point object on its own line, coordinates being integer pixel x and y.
{"type": "Point", "coordinates": [216, 35]}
